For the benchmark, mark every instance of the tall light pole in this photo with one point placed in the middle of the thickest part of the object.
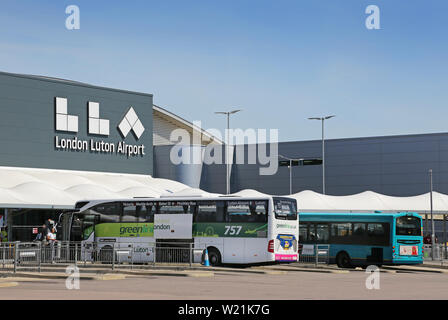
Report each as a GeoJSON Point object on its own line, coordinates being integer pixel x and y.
{"type": "Point", "coordinates": [323, 147]}
{"type": "Point", "coordinates": [228, 113]}
{"type": "Point", "coordinates": [290, 170]}
{"type": "Point", "coordinates": [433, 237]}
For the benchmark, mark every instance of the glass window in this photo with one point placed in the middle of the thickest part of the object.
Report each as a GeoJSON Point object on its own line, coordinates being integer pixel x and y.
{"type": "Point", "coordinates": [375, 229]}
{"type": "Point", "coordinates": [176, 207]}
{"type": "Point", "coordinates": [285, 209]}
{"type": "Point", "coordinates": [258, 211]}
{"type": "Point", "coordinates": [408, 226]}
{"type": "Point", "coordinates": [359, 229]}
{"type": "Point", "coordinates": [322, 233]}
{"type": "Point", "coordinates": [130, 213]}
{"type": "Point", "coordinates": [303, 232]}
{"type": "Point", "coordinates": [146, 213]}
{"type": "Point", "coordinates": [341, 229]}
{"type": "Point", "coordinates": [207, 212]}
{"type": "Point", "coordinates": [312, 237]}
{"type": "Point", "coordinates": [83, 226]}
{"type": "Point", "coordinates": [378, 234]}
{"type": "Point", "coordinates": [238, 211]}
{"type": "Point", "coordinates": [108, 212]}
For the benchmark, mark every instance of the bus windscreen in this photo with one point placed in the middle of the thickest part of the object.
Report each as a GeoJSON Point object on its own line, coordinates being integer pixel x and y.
{"type": "Point", "coordinates": [285, 209]}
{"type": "Point", "coordinates": [408, 226]}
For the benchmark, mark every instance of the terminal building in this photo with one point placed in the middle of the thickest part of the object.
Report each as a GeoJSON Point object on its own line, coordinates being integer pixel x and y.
{"type": "Point", "coordinates": [62, 141]}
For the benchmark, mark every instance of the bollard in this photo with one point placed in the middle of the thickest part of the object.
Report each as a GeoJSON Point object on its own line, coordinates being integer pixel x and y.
{"type": "Point", "coordinates": [191, 254]}
{"type": "Point", "coordinates": [155, 255]}
{"type": "Point", "coordinates": [16, 255]}
{"type": "Point", "coordinates": [83, 245]}
{"type": "Point", "coordinates": [113, 256]}
{"type": "Point", "coordinates": [206, 262]}
{"type": "Point", "coordinates": [39, 255]}
{"type": "Point", "coordinates": [76, 254]}
{"type": "Point", "coordinates": [132, 256]}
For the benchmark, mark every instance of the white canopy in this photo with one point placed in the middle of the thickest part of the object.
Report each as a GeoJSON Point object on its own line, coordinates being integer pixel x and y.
{"type": "Point", "coordinates": [45, 188]}
{"type": "Point", "coordinates": [370, 201]}
{"type": "Point", "coordinates": [190, 192]}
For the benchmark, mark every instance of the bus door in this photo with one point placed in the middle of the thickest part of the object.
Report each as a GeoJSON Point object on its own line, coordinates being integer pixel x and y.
{"type": "Point", "coordinates": [376, 256]}
{"type": "Point", "coordinates": [83, 231]}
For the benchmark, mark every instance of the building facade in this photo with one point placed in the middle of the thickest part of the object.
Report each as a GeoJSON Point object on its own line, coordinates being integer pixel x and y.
{"type": "Point", "coordinates": [59, 124]}
{"type": "Point", "coordinates": [54, 124]}
{"type": "Point", "coordinates": [391, 165]}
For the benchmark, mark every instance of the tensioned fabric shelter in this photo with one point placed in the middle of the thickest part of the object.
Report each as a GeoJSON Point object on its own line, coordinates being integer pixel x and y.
{"type": "Point", "coordinates": [367, 201]}
{"type": "Point", "coordinates": [60, 189]}
{"type": "Point", "coordinates": [371, 201]}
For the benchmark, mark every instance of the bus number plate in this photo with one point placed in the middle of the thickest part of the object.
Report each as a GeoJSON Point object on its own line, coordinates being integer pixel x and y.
{"type": "Point", "coordinates": [408, 250]}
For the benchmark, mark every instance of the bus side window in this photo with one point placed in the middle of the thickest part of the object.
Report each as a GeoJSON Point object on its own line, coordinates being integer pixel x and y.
{"type": "Point", "coordinates": [130, 213]}
{"type": "Point", "coordinates": [238, 211]}
{"type": "Point", "coordinates": [312, 238]}
{"type": "Point", "coordinates": [175, 208]}
{"type": "Point", "coordinates": [206, 212]}
{"type": "Point", "coordinates": [359, 229]}
{"type": "Point", "coordinates": [220, 211]}
{"type": "Point", "coordinates": [341, 229]}
{"type": "Point", "coordinates": [378, 234]}
{"type": "Point", "coordinates": [375, 229]}
{"type": "Point", "coordinates": [258, 211]}
{"type": "Point", "coordinates": [322, 233]}
{"type": "Point", "coordinates": [146, 213]}
{"type": "Point", "coordinates": [341, 232]}
{"type": "Point", "coordinates": [303, 232]}
{"type": "Point", "coordinates": [108, 212]}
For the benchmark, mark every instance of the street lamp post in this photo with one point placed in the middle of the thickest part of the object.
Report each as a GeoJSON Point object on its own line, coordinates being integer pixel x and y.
{"type": "Point", "coordinates": [433, 237]}
{"type": "Point", "coordinates": [290, 170]}
{"type": "Point", "coordinates": [323, 148]}
{"type": "Point", "coordinates": [228, 113]}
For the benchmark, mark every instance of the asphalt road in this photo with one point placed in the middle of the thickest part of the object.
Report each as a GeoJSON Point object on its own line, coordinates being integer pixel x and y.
{"type": "Point", "coordinates": [241, 286]}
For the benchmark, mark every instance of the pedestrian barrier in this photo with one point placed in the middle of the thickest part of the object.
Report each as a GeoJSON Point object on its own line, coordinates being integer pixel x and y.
{"type": "Point", "coordinates": [440, 252]}
{"type": "Point", "coordinates": [314, 253]}
{"type": "Point", "coordinates": [35, 255]}
{"type": "Point", "coordinates": [7, 256]}
{"type": "Point", "coordinates": [26, 255]}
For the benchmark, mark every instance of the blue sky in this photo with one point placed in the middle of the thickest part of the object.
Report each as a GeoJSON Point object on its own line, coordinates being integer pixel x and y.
{"type": "Point", "coordinates": [280, 61]}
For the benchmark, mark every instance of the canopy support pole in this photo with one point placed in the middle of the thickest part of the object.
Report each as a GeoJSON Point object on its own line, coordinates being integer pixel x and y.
{"type": "Point", "coordinates": [444, 234]}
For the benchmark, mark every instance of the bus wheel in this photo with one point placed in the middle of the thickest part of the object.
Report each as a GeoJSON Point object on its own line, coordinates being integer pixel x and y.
{"type": "Point", "coordinates": [343, 260]}
{"type": "Point", "coordinates": [214, 257]}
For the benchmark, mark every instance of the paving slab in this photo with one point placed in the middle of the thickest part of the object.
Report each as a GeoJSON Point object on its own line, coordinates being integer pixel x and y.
{"type": "Point", "coordinates": [416, 268]}
{"type": "Point", "coordinates": [304, 269]}
{"type": "Point", "coordinates": [8, 284]}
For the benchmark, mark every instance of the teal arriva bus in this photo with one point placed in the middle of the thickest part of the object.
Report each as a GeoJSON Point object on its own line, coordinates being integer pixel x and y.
{"type": "Point", "coordinates": [362, 239]}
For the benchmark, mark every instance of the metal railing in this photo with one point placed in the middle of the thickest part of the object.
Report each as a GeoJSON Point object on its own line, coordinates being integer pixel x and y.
{"type": "Point", "coordinates": [315, 253]}
{"type": "Point", "coordinates": [440, 252]}
{"type": "Point", "coordinates": [7, 256]}
{"type": "Point", "coordinates": [35, 255]}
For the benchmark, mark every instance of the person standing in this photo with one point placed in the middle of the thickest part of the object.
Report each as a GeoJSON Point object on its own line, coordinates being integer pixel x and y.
{"type": "Point", "coordinates": [4, 234]}
{"type": "Point", "coordinates": [51, 239]}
